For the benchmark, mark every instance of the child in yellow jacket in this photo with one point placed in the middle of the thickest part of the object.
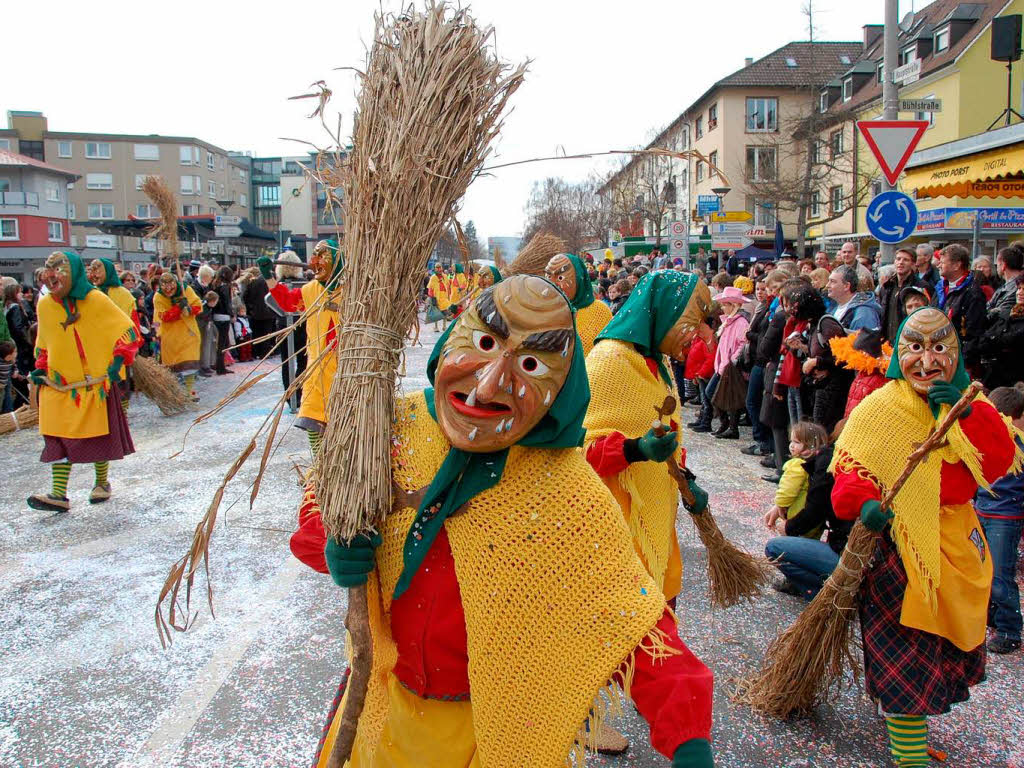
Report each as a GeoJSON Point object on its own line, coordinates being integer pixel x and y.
{"type": "Point", "coordinates": [806, 440]}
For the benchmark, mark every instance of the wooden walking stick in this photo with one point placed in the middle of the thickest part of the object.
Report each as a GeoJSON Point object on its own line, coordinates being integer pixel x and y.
{"type": "Point", "coordinates": [808, 659]}
{"type": "Point", "coordinates": [733, 574]}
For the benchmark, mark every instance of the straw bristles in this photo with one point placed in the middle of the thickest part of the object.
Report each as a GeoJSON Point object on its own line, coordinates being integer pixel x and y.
{"type": "Point", "coordinates": [733, 574]}
{"type": "Point", "coordinates": [532, 259]}
{"type": "Point", "coordinates": [431, 102]}
{"type": "Point", "coordinates": [807, 662]}
{"type": "Point", "coordinates": [160, 385]}
{"type": "Point", "coordinates": [20, 418]}
{"type": "Point", "coordinates": [157, 190]}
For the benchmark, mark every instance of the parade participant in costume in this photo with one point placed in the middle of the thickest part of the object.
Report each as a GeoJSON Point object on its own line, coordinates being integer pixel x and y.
{"type": "Point", "coordinates": [459, 288]}
{"type": "Point", "coordinates": [923, 602]}
{"type": "Point", "coordinates": [82, 345]}
{"type": "Point", "coordinates": [320, 295]}
{"type": "Point", "coordinates": [176, 307]}
{"type": "Point", "coordinates": [502, 557]}
{"type": "Point", "coordinates": [628, 380]}
{"type": "Point", "coordinates": [569, 273]}
{"type": "Point", "coordinates": [439, 289]}
{"type": "Point", "coordinates": [103, 274]}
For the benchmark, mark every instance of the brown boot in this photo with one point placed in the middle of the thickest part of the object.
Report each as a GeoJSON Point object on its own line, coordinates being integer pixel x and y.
{"type": "Point", "coordinates": [46, 502]}
{"type": "Point", "coordinates": [100, 494]}
{"type": "Point", "coordinates": [608, 741]}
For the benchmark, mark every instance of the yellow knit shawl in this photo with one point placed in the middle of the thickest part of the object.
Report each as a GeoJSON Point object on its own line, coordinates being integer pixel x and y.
{"type": "Point", "coordinates": [623, 396]}
{"type": "Point", "coordinates": [881, 433]}
{"type": "Point", "coordinates": [179, 339]}
{"type": "Point", "coordinates": [318, 325]}
{"type": "Point", "coordinates": [123, 298]}
{"type": "Point", "coordinates": [554, 596]}
{"type": "Point", "coordinates": [590, 321]}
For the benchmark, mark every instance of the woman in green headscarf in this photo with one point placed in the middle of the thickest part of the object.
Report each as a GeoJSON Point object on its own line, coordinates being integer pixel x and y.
{"type": "Point", "coordinates": [103, 275]}
{"type": "Point", "coordinates": [82, 345]}
{"type": "Point", "coordinates": [176, 307]}
{"type": "Point", "coordinates": [503, 556]}
{"type": "Point", "coordinates": [628, 381]}
{"type": "Point", "coordinates": [569, 273]}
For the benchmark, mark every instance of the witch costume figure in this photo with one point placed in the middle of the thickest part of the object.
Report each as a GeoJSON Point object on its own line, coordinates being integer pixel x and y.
{"type": "Point", "coordinates": [569, 273]}
{"type": "Point", "coordinates": [103, 275]}
{"type": "Point", "coordinates": [504, 557]}
{"type": "Point", "coordinates": [924, 599]}
{"type": "Point", "coordinates": [83, 343]}
{"type": "Point", "coordinates": [176, 306]}
{"type": "Point", "coordinates": [321, 296]}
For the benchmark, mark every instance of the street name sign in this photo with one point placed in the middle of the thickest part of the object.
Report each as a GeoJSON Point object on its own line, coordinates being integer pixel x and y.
{"type": "Point", "coordinates": [892, 142]}
{"type": "Point", "coordinates": [721, 216]}
{"type": "Point", "coordinates": [920, 105]}
{"type": "Point", "coordinates": [227, 231]}
{"type": "Point", "coordinates": [892, 217]}
{"type": "Point", "coordinates": [223, 219]}
{"type": "Point", "coordinates": [908, 73]}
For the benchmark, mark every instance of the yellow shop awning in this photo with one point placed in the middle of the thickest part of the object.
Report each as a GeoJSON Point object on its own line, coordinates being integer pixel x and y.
{"type": "Point", "coordinates": [993, 173]}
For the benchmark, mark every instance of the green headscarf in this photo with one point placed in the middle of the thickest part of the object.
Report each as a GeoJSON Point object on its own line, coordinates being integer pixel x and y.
{"type": "Point", "coordinates": [458, 269]}
{"type": "Point", "coordinates": [495, 273]}
{"type": "Point", "coordinates": [80, 284]}
{"type": "Point", "coordinates": [649, 313]}
{"type": "Point", "coordinates": [463, 475]}
{"type": "Point", "coordinates": [111, 280]}
{"type": "Point", "coordinates": [179, 292]}
{"type": "Point", "coordinates": [338, 263]}
{"type": "Point", "coordinates": [960, 378]}
{"type": "Point", "coordinates": [584, 288]}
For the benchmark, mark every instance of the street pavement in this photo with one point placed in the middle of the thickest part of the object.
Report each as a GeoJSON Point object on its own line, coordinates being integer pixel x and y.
{"type": "Point", "coordinates": [84, 681]}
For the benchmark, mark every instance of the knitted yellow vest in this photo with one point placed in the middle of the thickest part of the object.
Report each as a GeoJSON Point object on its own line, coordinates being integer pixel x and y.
{"type": "Point", "coordinates": [881, 433]}
{"type": "Point", "coordinates": [554, 596]}
{"type": "Point", "coordinates": [623, 396]}
{"type": "Point", "coordinates": [179, 339]}
{"type": "Point", "coordinates": [318, 326]}
{"type": "Point", "coordinates": [590, 321]}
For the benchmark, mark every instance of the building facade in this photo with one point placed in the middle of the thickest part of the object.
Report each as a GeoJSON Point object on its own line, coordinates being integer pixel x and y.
{"type": "Point", "coordinates": [111, 170]}
{"type": "Point", "coordinates": [34, 213]}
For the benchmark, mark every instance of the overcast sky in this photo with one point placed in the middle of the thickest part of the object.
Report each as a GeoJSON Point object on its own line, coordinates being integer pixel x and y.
{"type": "Point", "coordinates": [603, 74]}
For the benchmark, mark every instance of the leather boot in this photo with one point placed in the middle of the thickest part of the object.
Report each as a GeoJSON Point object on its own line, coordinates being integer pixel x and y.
{"type": "Point", "coordinates": [733, 431]}
{"type": "Point", "coordinates": [723, 418]}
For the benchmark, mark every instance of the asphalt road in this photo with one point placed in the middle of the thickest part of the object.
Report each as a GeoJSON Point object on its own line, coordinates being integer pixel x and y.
{"type": "Point", "coordinates": [84, 682]}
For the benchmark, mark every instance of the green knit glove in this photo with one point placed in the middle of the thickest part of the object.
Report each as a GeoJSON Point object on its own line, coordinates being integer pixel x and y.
{"type": "Point", "coordinates": [700, 496]}
{"type": "Point", "coordinates": [695, 753]}
{"type": "Point", "coordinates": [656, 448]}
{"type": "Point", "coordinates": [37, 377]}
{"type": "Point", "coordinates": [873, 516]}
{"type": "Point", "coordinates": [266, 267]}
{"type": "Point", "coordinates": [350, 564]}
{"type": "Point", "coordinates": [114, 371]}
{"type": "Point", "coordinates": [944, 393]}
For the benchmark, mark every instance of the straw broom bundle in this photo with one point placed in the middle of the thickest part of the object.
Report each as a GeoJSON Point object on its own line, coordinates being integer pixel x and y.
{"type": "Point", "coordinates": [431, 102]}
{"type": "Point", "coordinates": [157, 190]}
{"type": "Point", "coordinates": [21, 418]}
{"type": "Point", "coordinates": [536, 254]}
{"type": "Point", "coordinates": [807, 661]}
{"type": "Point", "coordinates": [161, 386]}
{"type": "Point", "coordinates": [733, 574]}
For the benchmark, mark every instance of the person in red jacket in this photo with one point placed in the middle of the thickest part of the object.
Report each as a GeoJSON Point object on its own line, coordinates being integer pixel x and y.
{"type": "Point", "coordinates": [925, 597]}
{"type": "Point", "coordinates": [700, 367]}
{"type": "Point", "coordinates": [866, 353]}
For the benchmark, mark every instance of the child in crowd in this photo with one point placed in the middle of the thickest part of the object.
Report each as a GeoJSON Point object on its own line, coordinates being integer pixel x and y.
{"type": "Point", "coordinates": [806, 441]}
{"type": "Point", "coordinates": [729, 392]}
{"type": "Point", "coordinates": [243, 335]}
{"type": "Point", "coordinates": [914, 297]}
{"type": "Point", "coordinates": [1001, 513]}
{"type": "Point", "coordinates": [8, 352]}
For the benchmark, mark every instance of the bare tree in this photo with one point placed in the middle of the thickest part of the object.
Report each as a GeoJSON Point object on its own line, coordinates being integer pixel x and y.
{"type": "Point", "coordinates": [571, 210]}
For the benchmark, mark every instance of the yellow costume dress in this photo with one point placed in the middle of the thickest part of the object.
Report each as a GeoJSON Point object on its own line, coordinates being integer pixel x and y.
{"type": "Point", "coordinates": [178, 330]}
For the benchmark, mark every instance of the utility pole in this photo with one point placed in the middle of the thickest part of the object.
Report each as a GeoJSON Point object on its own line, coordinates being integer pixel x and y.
{"type": "Point", "coordinates": [890, 92]}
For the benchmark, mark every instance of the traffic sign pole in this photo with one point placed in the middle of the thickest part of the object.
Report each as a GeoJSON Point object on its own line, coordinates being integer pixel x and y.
{"type": "Point", "coordinates": [890, 93]}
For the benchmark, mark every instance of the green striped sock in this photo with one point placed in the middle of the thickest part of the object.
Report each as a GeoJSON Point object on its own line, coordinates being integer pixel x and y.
{"type": "Point", "coordinates": [190, 383]}
{"type": "Point", "coordinates": [908, 740]}
{"type": "Point", "coordinates": [102, 468]}
{"type": "Point", "coordinates": [61, 472]}
{"type": "Point", "coordinates": [315, 438]}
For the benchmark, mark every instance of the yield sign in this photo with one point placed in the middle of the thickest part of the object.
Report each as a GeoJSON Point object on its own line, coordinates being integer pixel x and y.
{"type": "Point", "coordinates": [892, 142]}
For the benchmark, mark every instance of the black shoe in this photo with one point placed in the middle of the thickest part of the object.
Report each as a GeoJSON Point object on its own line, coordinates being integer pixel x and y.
{"type": "Point", "coordinates": [695, 424]}
{"type": "Point", "coordinates": [701, 428]}
{"type": "Point", "coordinates": [768, 462]}
{"type": "Point", "coordinates": [774, 477]}
{"type": "Point", "coordinates": [730, 434]}
{"type": "Point", "coordinates": [744, 420]}
{"type": "Point", "coordinates": [1002, 644]}
{"type": "Point", "coordinates": [751, 450]}
{"type": "Point", "coordinates": [786, 587]}
{"type": "Point", "coordinates": [722, 428]}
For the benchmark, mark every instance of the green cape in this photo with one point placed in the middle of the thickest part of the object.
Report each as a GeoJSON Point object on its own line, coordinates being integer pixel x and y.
{"type": "Point", "coordinates": [584, 287]}
{"type": "Point", "coordinates": [960, 378]}
{"type": "Point", "coordinates": [111, 280]}
{"type": "Point", "coordinates": [463, 475]}
{"type": "Point", "coordinates": [649, 313]}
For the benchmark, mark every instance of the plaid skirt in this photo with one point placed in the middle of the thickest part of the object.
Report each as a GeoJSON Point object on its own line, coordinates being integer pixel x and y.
{"type": "Point", "coordinates": [909, 671]}
{"type": "Point", "coordinates": [114, 445]}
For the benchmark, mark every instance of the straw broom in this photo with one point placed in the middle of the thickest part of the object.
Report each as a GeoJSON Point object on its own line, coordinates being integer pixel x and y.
{"type": "Point", "coordinates": [166, 202]}
{"type": "Point", "coordinates": [807, 661]}
{"type": "Point", "coordinates": [160, 385]}
{"type": "Point", "coordinates": [536, 254]}
{"type": "Point", "coordinates": [21, 418]}
{"type": "Point", "coordinates": [431, 102]}
{"type": "Point", "coordinates": [733, 574]}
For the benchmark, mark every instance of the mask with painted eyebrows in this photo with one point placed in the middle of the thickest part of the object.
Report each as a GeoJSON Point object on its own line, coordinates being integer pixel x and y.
{"type": "Point", "coordinates": [96, 273]}
{"type": "Point", "coordinates": [57, 275]}
{"type": "Point", "coordinates": [504, 364]}
{"type": "Point", "coordinates": [928, 349]}
{"type": "Point", "coordinates": [561, 272]}
{"type": "Point", "coordinates": [484, 278]}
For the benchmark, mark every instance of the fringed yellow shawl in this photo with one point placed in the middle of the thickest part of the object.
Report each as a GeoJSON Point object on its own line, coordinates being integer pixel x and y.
{"type": "Point", "coordinates": [321, 330]}
{"type": "Point", "coordinates": [623, 396]}
{"type": "Point", "coordinates": [882, 432]}
{"type": "Point", "coordinates": [590, 321]}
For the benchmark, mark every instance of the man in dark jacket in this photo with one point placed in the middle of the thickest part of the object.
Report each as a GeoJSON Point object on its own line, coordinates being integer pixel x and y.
{"type": "Point", "coordinates": [1010, 265]}
{"type": "Point", "coordinates": [889, 293]}
{"type": "Point", "coordinates": [961, 299]}
{"type": "Point", "coordinates": [926, 271]}
{"type": "Point", "coordinates": [807, 563]}
{"type": "Point", "coordinates": [261, 317]}
{"type": "Point", "coordinates": [762, 445]}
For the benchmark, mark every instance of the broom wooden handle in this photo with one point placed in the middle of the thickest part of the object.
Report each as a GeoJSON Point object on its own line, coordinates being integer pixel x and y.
{"type": "Point", "coordinates": [88, 381]}
{"type": "Point", "coordinates": [668, 407]}
{"type": "Point", "coordinates": [933, 441]}
{"type": "Point", "coordinates": [357, 622]}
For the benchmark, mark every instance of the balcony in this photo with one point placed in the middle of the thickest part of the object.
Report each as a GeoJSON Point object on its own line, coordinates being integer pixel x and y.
{"type": "Point", "coordinates": [25, 199]}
